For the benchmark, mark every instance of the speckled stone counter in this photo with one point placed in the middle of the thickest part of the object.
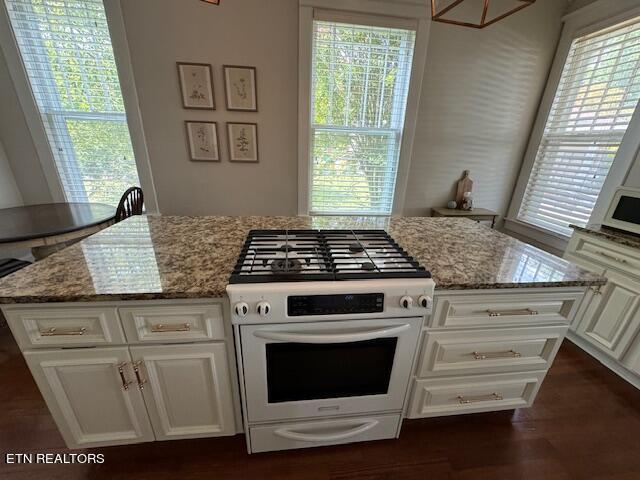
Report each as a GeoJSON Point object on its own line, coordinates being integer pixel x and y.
{"type": "Point", "coordinates": [622, 238]}
{"type": "Point", "coordinates": [167, 257]}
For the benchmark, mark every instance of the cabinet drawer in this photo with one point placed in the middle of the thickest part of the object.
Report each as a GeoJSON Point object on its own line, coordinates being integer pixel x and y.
{"type": "Point", "coordinates": [64, 327]}
{"type": "Point", "coordinates": [173, 323]}
{"type": "Point", "coordinates": [480, 393]}
{"type": "Point", "coordinates": [324, 432]}
{"type": "Point", "coordinates": [499, 309]}
{"type": "Point", "coordinates": [605, 253]}
{"type": "Point", "coordinates": [489, 351]}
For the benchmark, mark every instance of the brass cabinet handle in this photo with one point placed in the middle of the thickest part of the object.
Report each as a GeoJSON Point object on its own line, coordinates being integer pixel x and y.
{"type": "Point", "coordinates": [611, 257]}
{"type": "Point", "coordinates": [181, 327]}
{"type": "Point", "coordinates": [479, 398]}
{"type": "Point", "coordinates": [123, 377]}
{"type": "Point", "coordinates": [503, 313]}
{"type": "Point", "coordinates": [492, 355]}
{"type": "Point", "coordinates": [55, 332]}
{"type": "Point", "coordinates": [138, 372]}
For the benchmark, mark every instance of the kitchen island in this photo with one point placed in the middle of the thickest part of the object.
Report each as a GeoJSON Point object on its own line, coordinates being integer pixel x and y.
{"type": "Point", "coordinates": [147, 296]}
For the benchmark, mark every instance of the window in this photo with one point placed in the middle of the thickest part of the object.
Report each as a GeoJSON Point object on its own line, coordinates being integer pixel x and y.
{"type": "Point", "coordinates": [596, 98]}
{"type": "Point", "coordinates": [360, 83]}
{"type": "Point", "coordinates": [66, 50]}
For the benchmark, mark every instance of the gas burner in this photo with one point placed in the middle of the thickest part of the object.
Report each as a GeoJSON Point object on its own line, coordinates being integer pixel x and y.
{"type": "Point", "coordinates": [356, 247]}
{"type": "Point", "coordinates": [286, 265]}
{"type": "Point", "coordinates": [312, 255]}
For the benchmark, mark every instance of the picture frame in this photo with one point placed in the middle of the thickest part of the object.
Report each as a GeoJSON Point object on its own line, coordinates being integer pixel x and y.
{"type": "Point", "coordinates": [203, 142]}
{"type": "Point", "coordinates": [243, 142]}
{"type": "Point", "coordinates": [240, 87]}
{"type": "Point", "coordinates": [196, 86]}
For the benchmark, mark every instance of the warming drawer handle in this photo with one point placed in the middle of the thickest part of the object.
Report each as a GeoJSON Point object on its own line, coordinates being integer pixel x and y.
{"type": "Point", "coordinates": [299, 337]}
{"type": "Point", "coordinates": [330, 437]}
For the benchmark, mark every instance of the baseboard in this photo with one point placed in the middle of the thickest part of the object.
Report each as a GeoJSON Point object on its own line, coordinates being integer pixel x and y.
{"type": "Point", "coordinates": [606, 360]}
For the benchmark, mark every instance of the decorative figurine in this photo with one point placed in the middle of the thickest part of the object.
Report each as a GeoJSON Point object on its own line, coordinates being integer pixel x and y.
{"type": "Point", "coordinates": [467, 203]}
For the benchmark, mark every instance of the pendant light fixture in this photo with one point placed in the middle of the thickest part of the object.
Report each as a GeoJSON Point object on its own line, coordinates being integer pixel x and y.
{"type": "Point", "coordinates": [488, 12]}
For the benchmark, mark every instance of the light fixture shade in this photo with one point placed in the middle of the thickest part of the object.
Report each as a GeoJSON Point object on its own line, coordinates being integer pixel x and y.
{"type": "Point", "coordinates": [475, 13]}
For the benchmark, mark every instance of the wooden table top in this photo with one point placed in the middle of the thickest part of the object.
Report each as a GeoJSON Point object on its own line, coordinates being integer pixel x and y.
{"type": "Point", "coordinates": [454, 212]}
{"type": "Point", "coordinates": [38, 221]}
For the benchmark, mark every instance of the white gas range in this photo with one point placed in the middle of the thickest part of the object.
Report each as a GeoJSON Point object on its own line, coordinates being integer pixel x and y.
{"type": "Point", "coordinates": [326, 326]}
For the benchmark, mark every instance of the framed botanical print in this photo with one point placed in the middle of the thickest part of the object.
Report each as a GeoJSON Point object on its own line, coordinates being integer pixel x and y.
{"type": "Point", "coordinates": [243, 142]}
{"type": "Point", "coordinates": [240, 88]}
{"type": "Point", "coordinates": [203, 141]}
{"type": "Point", "coordinates": [196, 86]}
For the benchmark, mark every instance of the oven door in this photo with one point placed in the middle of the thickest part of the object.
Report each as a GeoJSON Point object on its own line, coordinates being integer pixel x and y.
{"type": "Point", "coordinates": [304, 370]}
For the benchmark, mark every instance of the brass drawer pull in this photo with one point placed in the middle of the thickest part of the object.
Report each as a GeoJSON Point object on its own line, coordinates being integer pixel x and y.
{"type": "Point", "coordinates": [611, 257]}
{"type": "Point", "coordinates": [479, 398]}
{"type": "Point", "coordinates": [125, 382]}
{"type": "Point", "coordinates": [181, 327]}
{"type": "Point", "coordinates": [492, 355]}
{"type": "Point", "coordinates": [505, 313]}
{"type": "Point", "coordinates": [138, 372]}
{"type": "Point", "coordinates": [56, 332]}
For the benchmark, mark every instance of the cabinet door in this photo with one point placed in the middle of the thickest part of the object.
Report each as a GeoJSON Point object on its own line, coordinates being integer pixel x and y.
{"type": "Point", "coordinates": [187, 389]}
{"type": "Point", "coordinates": [91, 396]}
{"type": "Point", "coordinates": [613, 316]}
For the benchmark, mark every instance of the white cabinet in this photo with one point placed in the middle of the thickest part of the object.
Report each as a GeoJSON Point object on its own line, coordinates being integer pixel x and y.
{"type": "Point", "coordinates": [92, 395]}
{"type": "Point", "coordinates": [488, 350]}
{"type": "Point", "coordinates": [136, 391]}
{"type": "Point", "coordinates": [612, 318]}
{"type": "Point", "coordinates": [187, 389]}
{"type": "Point", "coordinates": [609, 317]}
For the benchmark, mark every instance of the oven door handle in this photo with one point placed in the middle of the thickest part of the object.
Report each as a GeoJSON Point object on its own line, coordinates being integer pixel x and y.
{"type": "Point", "coordinates": [359, 336]}
{"type": "Point", "coordinates": [326, 437]}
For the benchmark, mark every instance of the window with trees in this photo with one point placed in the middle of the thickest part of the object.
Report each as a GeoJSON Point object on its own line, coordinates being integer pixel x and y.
{"type": "Point", "coordinates": [597, 95]}
{"type": "Point", "coordinates": [66, 50]}
{"type": "Point", "coordinates": [360, 82]}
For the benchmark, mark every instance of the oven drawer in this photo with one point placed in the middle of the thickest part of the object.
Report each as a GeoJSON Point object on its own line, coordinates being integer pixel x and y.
{"type": "Point", "coordinates": [325, 432]}
{"type": "Point", "coordinates": [498, 309]}
{"type": "Point", "coordinates": [479, 393]}
{"type": "Point", "coordinates": [65, 327]}
{"type": "Point", "coordinates": [447, 352]}
{"type": "Point", "coordinates": [173, 323]}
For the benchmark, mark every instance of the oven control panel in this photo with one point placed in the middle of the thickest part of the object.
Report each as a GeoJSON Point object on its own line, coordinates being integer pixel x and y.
{"type": "Point", "coordinates": [340, 304]}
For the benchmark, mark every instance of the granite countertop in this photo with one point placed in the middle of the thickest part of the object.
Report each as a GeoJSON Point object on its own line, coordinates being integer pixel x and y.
{"type": "Point", "coordinates": [169, 257]}
{"type": "Point", "coordinates": [622, 238]}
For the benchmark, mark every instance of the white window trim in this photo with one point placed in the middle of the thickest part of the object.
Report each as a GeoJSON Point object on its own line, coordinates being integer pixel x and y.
{"type": "Point", "coordinates": [416, 11]}
{"type": "Point", "coordinates": [129, 94]}
{"type": "Point", "coordinates": [596, 16]}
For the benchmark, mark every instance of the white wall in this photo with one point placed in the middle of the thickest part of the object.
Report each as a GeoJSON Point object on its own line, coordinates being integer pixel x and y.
{"type": "Point", "coordinates": [479, 99]}
{"type": "Point", "coordinates": [18, 144]}
{"type": "Point", "coordinates": [9, 193]}
{"type": "Point", "coordinates": [259, 33]}
{"type": "Point", "coordinates": [480, 95]}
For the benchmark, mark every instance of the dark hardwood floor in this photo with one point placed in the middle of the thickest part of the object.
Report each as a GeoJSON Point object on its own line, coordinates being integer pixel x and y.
{"type": "Point", "coordinates": [585, 424]}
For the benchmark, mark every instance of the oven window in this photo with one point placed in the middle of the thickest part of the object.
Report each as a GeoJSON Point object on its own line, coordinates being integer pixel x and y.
{"type": "Point", "coordinates": [304, 371]}
{"type": "Point", "coordinates": [628, 210]}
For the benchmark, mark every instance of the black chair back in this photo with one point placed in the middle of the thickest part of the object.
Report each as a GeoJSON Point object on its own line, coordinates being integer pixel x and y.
{"type": "Point", "coordinates": [130, 204]}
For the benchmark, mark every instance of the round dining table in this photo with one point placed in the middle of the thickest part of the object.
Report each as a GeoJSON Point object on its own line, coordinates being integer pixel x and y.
{"type": "Point", "coordinates": [50, 227]}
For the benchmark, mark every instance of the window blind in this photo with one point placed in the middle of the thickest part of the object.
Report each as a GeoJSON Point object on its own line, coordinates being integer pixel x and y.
{"type": "Point", "coordinates": [67, 54]}
{"type": "Point", "coordinates": [360, 82]}
{"type": "Point", "coordinates": [595, 100]}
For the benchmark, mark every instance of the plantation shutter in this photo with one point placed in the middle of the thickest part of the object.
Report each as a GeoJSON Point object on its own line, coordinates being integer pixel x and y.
{"type": "Point", "coordinates": [66, 50]}
{"type": "Point", "coordinates": [596, 98]}
{"type": "Point", "coordinates": [361, 75]}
